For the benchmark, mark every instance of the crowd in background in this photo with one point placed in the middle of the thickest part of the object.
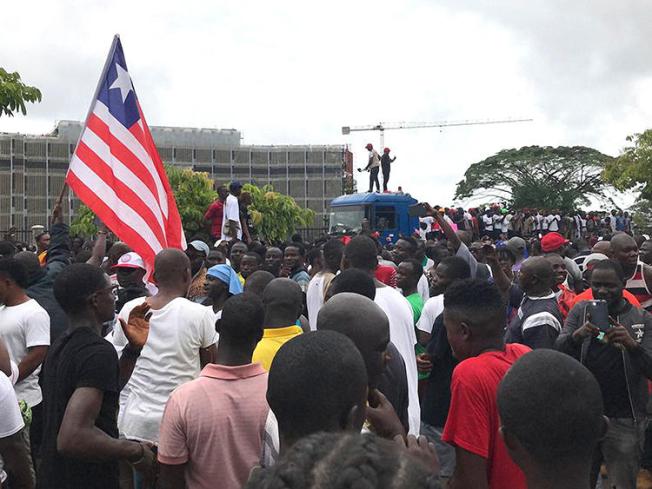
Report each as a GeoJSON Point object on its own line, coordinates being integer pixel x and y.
{"type": "Point", "coordinates": [344, 362]}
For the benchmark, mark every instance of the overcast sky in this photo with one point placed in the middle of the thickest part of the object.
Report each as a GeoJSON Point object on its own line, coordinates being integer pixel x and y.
{"type": "Point", "coordinates": [294, 72]}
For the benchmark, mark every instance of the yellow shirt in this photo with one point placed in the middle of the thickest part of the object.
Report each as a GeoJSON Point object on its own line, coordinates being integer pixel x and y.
{"type": "Point", "coordinates": [273, 339]}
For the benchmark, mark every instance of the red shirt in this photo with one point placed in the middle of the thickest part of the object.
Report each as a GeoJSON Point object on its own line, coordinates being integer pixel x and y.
{"type": "Point", "coordinates": [215, 214]}
{"type": "Point", "coordinates": [565, 300]}
{"type": "Point", "coordinates": [587, 295]}
{"type": "Point", "coordinates": [386, 275]}
{"type": "Point", "coordinates": [473, 420]}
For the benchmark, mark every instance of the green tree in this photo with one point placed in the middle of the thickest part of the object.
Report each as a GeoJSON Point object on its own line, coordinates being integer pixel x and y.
{"type": "Point", "coordinates": [84, 223]}
{"type": "Point", "coordinates": [541, 177]}
{"type": "Point", "coordinates": [632, 169]}
{"type": "Point", "coordinates": [276, 216]}
{"type": "Point", "coordinates": [14, 94]}
{"type": "Point", "coordinates": [193, 192]}
{"type": "Point", "coordinates": [641, 213]}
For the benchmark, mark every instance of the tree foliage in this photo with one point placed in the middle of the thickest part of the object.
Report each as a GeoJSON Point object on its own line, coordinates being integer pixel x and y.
{"type": "Point", "coordinates": [539, 177]}
{"type": "Point", "coordinates": [633, 168]}
{"type": "Point", "coordinates": [193, 192]}
{"type": "Point", "coordinates": [641, 213]}
{"type": "Point", "coordinates": [84, 223]}
{"type": "Point", "coordinates": [14, 94]}
{"type": "Point", "coordinates": [276, 216]}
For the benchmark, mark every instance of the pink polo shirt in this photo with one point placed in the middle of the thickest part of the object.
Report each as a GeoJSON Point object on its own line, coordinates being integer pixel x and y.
{"type": "Point", "coordinates": [216, 424]}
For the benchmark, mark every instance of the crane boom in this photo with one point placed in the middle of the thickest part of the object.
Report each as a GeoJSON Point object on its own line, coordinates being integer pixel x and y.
{"type": "Point", "coordinates": [383, 126]}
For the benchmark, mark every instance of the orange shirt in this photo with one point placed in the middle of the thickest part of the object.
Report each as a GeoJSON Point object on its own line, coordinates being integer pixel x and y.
{"type": "Point", "coordinates": [587, 295]}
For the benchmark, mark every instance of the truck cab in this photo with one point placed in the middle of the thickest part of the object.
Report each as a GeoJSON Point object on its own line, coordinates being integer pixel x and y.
{"type": "Point", "coordinates": [385, 213]}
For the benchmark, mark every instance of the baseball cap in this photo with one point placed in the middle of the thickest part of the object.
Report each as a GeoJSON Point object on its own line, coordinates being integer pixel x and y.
{"type": "Point", "coordinates": [552, 241]}
{"type": "Point", "coordinates": [130, 260]}
{"type": "Point", "coordinates": [200, 246]}
{"type": "Point", "coordinates": [235, 184]}
{"type": "Point", "coordinates": [516, 244]}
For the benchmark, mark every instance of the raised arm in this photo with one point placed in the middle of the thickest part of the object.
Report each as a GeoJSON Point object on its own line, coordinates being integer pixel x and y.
{"type": "Point", "coordinates": [99, 248]}
{"type": "Point", "coordinates": [59, 249]}
{"type": "Point", "coordinates": [500, 278]}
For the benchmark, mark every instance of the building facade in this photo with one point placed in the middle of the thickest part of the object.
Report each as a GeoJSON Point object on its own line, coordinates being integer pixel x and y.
{"type": "Point", "coordinates": [33, 168]}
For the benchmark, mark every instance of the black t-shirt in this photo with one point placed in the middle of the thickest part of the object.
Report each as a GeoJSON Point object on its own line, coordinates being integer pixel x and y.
{"type": "Point", "coordinates": [79, 358]}
{"type": "Point", "coordinates": [606, 364]}
{"type": "Point", "coordinates": [437, 397]}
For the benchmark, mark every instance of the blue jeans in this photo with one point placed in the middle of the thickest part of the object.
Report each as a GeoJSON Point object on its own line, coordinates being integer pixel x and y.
{"type": "Point", "coordinates": [445, 452]}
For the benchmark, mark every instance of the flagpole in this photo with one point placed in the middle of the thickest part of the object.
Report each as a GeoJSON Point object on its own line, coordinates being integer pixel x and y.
{"type": "Point", "coordinates": [114, 44]}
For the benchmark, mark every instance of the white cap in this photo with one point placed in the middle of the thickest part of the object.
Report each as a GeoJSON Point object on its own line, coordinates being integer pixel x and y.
{"type": "Point", "coordinates": [130, 260]}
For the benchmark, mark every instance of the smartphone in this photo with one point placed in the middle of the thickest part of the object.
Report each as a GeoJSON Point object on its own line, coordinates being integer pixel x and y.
{"type": "Point", "coordinates": [598, 314]}
{"type": "Point", "coordinates": [417, 210]}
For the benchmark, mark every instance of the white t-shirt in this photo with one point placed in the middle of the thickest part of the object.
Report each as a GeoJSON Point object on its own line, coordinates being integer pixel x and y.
{"type": "Point", "coordinates": [552, 222]}
{"type": "Point", "coordinates": [11, 421]}
{"type": "Point", "coordinates": [315, 297]}
{"type": "Point", "coordinates": [216, 315]}
{"type": "Point", "coordinates": [429, 264]}
{"type": "Point", "coordinates": [423, 288]}
{"type": "Point", "coordinates": [231, 212]}
{"type": "Point", "coordinates": [375, 158]}
{"type": "Point", "coordinates": [498, 222]}
{"type": "Point", "coordinates": [488, 223]}
{"type": "Point", "coordinates": [169, 358]}
{"type": "Point", "coordinates": [401, 333]}
{"type": "Point", "coordinates": [544, 223]}
{"type": "Point", "coordinates": [507, 223]}
{"type": "Point", "coordinates": [22, 327]}
{"type": "Point", "coordinates": [431, 309]}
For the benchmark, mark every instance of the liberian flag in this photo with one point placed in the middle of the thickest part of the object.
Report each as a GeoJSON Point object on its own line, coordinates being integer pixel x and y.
{"type": "Point", "coordinates": [117, 171]}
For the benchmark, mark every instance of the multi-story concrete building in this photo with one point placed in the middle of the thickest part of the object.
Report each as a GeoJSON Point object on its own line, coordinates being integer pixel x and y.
{"type": "Point", "coordinates": [33, 168]}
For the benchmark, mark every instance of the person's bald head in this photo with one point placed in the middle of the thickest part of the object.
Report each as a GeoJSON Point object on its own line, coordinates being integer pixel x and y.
{"type": "Point", "coordinates": [257, 281]}
{"type": "Point", "coordinates": [536, 276]}
{"type": "Point", "coordinates": [283, 301]}
{"type": "Point", "coordinates": [172, 269]}
{"type": "Point", "coordinates": [364, 322]}
{"type": "Point", "coordinates": [625, 251]}
{"type": "Point", "coordinates": [603, 247]}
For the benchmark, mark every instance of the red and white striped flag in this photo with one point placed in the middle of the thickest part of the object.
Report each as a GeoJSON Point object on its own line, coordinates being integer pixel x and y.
{"type": "Point", "coordinates": [117, 171]}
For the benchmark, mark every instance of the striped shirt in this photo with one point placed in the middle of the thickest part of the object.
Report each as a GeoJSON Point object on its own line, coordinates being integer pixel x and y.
{"type": "Point", "coordinates": [537, 324]}
{"type": "Point", "coordinates": [637, 286]}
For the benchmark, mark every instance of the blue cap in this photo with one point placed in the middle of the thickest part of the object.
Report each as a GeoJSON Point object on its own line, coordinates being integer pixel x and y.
{"type": "Point", "coordinates": [235, 184]}
{"type": "Point", "coordinates": [227, 275]}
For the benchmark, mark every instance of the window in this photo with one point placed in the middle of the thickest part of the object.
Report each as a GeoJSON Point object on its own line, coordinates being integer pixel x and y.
{"type": "Point", "coordinates": [384, 218]}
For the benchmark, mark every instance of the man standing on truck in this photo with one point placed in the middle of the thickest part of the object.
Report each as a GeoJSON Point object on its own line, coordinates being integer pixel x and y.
{"type": "Point", "coordinates": [373, 166]}
{"type": "Point", "coordinates": [385, 163]}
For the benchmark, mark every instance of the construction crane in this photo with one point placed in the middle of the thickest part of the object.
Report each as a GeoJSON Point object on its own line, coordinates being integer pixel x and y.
{"type": "Point", "coordinates": [386, 126]}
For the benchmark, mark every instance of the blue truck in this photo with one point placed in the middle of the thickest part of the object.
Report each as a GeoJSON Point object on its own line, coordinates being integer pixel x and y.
{"type": "Point", "coordinates": [386, 213]}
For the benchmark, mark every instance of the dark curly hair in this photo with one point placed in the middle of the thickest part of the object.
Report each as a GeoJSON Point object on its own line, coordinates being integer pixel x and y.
{"type": "Point", "coordinates": [344, 461]}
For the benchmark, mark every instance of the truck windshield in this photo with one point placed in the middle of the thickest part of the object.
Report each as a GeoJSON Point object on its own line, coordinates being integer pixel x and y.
{"type": "Point", "coordinates": [346, 219]}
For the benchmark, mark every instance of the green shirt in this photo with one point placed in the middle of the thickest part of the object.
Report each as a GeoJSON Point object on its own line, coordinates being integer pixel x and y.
{"type": "Point", "coordinates": [416, 301]}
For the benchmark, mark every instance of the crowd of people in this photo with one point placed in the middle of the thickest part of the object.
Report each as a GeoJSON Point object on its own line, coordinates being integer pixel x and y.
{"type": "Point", "coordinates": [499, 222]}
{"type": "Point", "coordinates": [483, 351]}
